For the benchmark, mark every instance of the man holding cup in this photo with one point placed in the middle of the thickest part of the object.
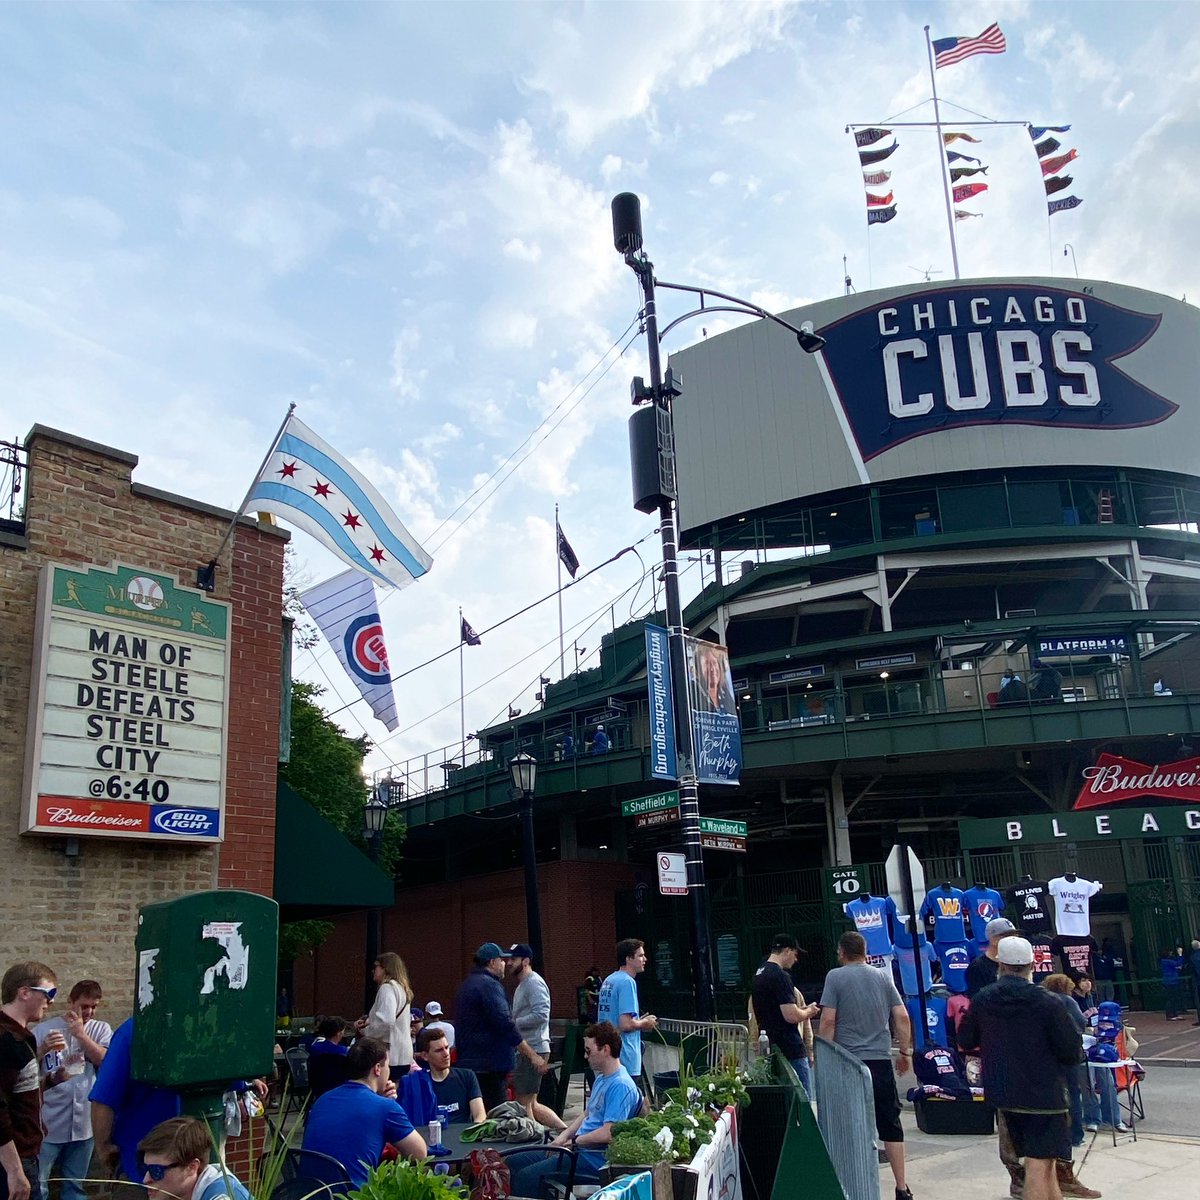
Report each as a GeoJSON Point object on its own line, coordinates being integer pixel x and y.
{"type": "Point", "coordinates": [26, 992]}
{"type": "Point", "coordinates": [66, 1114]}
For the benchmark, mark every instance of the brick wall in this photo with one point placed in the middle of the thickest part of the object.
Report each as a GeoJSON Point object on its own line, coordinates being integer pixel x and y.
{"type": "Point", "coordinates": [78, 914]}
{"type": "Point", "coordinates": [436, 929]}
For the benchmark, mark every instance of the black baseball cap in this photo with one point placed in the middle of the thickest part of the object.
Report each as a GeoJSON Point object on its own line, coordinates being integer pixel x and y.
{"type": "Point", "coordinates": [785, 941]}
{"type": "Point", "coordinates": [519, 950]}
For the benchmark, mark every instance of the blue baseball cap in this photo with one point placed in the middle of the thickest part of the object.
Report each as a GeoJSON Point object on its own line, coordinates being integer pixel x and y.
{"type": "Point", "coordinates": [488, 951]}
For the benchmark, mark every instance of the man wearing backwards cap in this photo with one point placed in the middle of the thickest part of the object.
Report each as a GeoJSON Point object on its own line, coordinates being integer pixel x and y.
{"type": "Point", "coordinates": [487, 1035]}
{"type": "Point", "coordinates": [982, 970]}
{"type": "Point", "coordinates": [1026, 1040]}
{"type": "Point", "coordinates": [531, 1015]}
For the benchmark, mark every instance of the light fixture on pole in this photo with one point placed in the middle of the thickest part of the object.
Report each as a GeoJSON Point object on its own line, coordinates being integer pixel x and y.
{"type": "Point", "coordinates": [523, 768]}
{"type": "Point", "coordinates": [384, 795]}
{"type": "Point", "coordinates": [627, 238]}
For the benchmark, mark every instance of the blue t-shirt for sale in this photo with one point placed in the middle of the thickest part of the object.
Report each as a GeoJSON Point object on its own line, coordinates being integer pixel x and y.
{"type": "Point", "coordinates": [935, 1019]}
{"type": "Point", "coordinates": [874, 918]}
{"type": "Point", "coordinates": [983, 904]}
{"type": "Point", "coordinates": [945, 905]}
{"type": "Point", "coordinates": [955, 960]}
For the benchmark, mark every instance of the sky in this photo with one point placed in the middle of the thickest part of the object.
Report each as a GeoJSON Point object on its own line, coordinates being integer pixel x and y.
{"type": "Point", "coordinates": [396, 216]}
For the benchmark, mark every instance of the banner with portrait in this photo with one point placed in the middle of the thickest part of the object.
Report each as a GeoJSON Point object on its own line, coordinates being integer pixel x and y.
{"type": "Point", "coordinates": [712, 710]}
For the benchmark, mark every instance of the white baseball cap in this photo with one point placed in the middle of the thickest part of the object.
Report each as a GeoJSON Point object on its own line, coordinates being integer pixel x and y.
{"type": "Point", "coordinates": [433, 1009]}
{"type": "Point", "coordinates": [1014, 952]}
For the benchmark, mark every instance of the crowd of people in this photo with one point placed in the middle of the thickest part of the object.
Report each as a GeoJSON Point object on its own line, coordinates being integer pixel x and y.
{"type": "Point", "coordinates": [67, 1091]}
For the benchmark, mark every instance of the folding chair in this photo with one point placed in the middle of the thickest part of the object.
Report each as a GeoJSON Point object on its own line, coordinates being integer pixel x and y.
{"type": "Point", "coordinates": [296, 1059]}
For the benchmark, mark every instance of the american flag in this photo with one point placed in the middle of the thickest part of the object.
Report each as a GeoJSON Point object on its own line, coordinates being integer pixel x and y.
{"type": "Point", "coordinates": [948, 51]}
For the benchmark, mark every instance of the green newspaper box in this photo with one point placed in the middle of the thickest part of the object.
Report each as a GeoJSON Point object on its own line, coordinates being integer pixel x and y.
{"type": "Point", "coordinates": [204, 999]}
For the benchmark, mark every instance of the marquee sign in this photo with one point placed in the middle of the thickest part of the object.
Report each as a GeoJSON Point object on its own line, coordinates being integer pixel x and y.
{"type": "Point", "coordinates": [129, 707]}
{"type": "Point", "coordinates": [987, 354]}
{"type": "Point", "coordinates": [1042, 829]}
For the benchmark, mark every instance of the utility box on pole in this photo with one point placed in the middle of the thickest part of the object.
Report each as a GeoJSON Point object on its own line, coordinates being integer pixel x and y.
{"type": "Point", "coordinates": [204, 1007]}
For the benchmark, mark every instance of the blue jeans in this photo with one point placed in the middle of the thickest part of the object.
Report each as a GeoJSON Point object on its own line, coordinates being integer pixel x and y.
{"type": "Point", "coordinates": [1105, 1083]}
{"type": "Point", "coordinates": [530, 1169]}
{"type": "Point", "coordinates": [67, 1161]}
{"type": "Point", "coordinates": [800, 1066]}
{"type": "Point", "coordinates": [1174, 993]}
{"type": "Point", "coordinates": [1079, 1091]}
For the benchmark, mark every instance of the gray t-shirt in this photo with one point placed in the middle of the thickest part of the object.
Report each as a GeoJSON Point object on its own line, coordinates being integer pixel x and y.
{"type": "Point", "coordinates": [863, 998]}
{"type": "Point", "coordinates": [531, 1011]}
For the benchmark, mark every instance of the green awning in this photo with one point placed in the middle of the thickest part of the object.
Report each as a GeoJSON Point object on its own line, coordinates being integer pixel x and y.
{"type": "Point", "coordinates": [317, 867]}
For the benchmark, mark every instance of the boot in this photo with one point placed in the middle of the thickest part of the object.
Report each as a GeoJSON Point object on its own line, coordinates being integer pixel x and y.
{"type": "Point", "coordinates": [1069, 1185]}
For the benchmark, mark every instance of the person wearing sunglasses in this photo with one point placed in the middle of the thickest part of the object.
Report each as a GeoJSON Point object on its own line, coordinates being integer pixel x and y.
{"type": "Point", "coordinates": [175, 1162]}
{"type": "Point", "coordinates": [26, 992]}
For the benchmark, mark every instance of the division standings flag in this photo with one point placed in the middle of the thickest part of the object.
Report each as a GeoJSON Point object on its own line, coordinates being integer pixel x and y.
{"type": "Point", "coordinates": [961, 214]}
{"type": "Point", "coordinates": [948, 138]}
{"type": "Point", "coordinates": [1047, 146]}
{"type": "Point", "coordinates": [874, 201]}
{"type": "Point", "coordinates": [346, 612]}
{"type": "Point", "coordinates": [880, 216]}
{"type": "Point", "coordinates": [1062, 205]}
{"type": "Point", "coordinates": [869, 157]}
{"type": "Point", "coordinates": [868, 137]}
{"type": "Point", "coordinates": [1056, 183]}
{"type": "Point", "coordinates": [567, 556]}
{"type": "Point", "coordinates": [876, 178]}
{"type": "Point", "coordinates": [310, 485]}
{"type": "Point", "coordinates": [957, 173]}
{"type": "Point", "coordinates": [1037, 132]}
{"type": "Point", "coordinates": [1052, 166]}
{"type": "Point", "coordinates": [964, 191]}
{"type": "Point", "coordinates": [948, 51]}
{"type": "Point", "coordinates": [954, 156]}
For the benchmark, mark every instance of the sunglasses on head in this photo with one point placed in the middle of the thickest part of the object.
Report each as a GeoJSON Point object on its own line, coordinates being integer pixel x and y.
{"type": "Point", "coordinates": [48, 992]}
{"type": "Point", "coordinates": [157, 1171]}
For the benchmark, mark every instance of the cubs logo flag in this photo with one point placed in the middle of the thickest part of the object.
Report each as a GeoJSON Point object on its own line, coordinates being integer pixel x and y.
{"type": "Point", "coordinates": [310, 485]}
{"type": "Point", "coordinates": [346, 612]}
{"type": "Point", "coordinates": [567, 556]}
{"type": "Point", "coordinates": [467, 634]}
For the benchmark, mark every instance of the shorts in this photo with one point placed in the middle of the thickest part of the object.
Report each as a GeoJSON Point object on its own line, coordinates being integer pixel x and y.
{"type": "Point", "coordinates": [887, 1100]}
{"type": "Point", "coordinates": [1039, 1135]}
{"type": "Point", "coordinates": [525, 1079]}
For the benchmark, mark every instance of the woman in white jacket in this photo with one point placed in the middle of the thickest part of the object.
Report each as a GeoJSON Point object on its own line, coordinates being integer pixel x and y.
{"type": "Point", "coordinates": [388, 1019]}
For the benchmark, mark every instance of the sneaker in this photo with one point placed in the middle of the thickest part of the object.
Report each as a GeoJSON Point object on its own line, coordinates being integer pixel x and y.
{"type": "Point", "coordinates": [904, 1194]}
{"type": "Point", "coordinates": [1121, 1127]}
{"type": "Point", "coordinates": [1092, 1128]}
{"type": "Point", "coordinates": [1075, 1188]}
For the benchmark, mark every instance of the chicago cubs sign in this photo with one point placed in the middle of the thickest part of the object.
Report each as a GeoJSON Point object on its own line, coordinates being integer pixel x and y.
{"type": "Point", "coordinates": [936, 379]}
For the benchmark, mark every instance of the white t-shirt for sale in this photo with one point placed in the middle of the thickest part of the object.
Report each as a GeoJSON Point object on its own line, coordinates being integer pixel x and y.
{"type": "Point", "coordinates": [1072, 904]}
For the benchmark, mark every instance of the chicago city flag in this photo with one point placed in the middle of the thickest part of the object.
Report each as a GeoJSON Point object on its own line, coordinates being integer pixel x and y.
{"type": "Point", "coordinates": [347, 613]}
{"type": "Point", "coordinates": [310, 485]}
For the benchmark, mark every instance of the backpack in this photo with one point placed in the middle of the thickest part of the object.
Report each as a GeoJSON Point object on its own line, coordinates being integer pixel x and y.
{"type": "Point", "coordinates": [488, 1175]}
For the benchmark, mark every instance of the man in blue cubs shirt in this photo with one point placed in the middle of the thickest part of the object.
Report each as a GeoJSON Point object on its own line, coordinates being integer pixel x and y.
{"type": "Point", "coordinates": [619, 1003]}
{"type": "Point", "coordinates": [614, 1097]}
{"type": "Point", "coordinates": [353, 1122]}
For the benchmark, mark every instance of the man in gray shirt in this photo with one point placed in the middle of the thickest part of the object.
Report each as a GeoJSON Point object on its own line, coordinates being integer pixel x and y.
{"type": "Point", "coordinates": [860, 1008]}
{"type": "Point", "coordinates": [531, 1015]}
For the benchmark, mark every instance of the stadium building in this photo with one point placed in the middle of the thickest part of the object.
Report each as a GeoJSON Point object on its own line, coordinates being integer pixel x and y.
{"type": "Point", "coordinates": [957, 568]}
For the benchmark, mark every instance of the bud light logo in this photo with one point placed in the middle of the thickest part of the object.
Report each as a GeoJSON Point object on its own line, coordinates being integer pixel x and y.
{"type": "Point", "coordinates": [366, 653]}
{"type": "Point", "coordinates": [186, 822]}
{"type": "Point", "coordinates": [988, 355]}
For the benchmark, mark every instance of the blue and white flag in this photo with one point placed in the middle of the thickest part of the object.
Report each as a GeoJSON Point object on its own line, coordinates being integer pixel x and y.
{"type": "Point", "coordinates": [347, 613]}
{"type": "Point", "coordinates": [310, 485]}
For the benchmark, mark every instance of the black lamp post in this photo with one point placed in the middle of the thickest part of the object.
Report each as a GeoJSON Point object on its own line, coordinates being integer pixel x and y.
{"type": "Point", "coordinates": [524, 776]}
{"type": "Point", "coordinates": [627, 238]}
{"type": "Point", "coordinates": [384, 795]}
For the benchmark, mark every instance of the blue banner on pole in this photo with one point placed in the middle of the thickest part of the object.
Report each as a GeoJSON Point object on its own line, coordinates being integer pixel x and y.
{"type": "Point", "coordinates": [716, 734]}
{"type": "Point", "coordinates": [663, 763]}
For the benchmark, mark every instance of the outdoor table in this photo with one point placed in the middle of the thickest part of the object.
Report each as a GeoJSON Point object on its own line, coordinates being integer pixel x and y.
{"type": "Point", "coordinates": [460, 1150]}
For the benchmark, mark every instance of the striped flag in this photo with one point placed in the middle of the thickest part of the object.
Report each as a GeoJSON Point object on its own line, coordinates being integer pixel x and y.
{"type": "Point", "coordinates": [310, 485]}
{"type": "Point", "coordinates": [347, 613]}
{"type": "Point", "coordinates": [948, 51]}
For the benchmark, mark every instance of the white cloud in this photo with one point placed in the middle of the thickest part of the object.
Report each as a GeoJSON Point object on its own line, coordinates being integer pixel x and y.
{"type": "Point", "coordinates": [719, 178]}
{"type": "Point", "coordinates": [406, 379]}
{"type": "Point", "coordinates": [611, 167]}
{"type": "Point", "coordinates": [522, 251]}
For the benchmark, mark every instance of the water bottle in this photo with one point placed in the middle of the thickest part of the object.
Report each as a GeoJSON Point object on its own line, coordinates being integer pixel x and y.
{"type": "Point", "coordinates": [435, 1132]}
{"type": "Point", "coordinates": [764, 1044]}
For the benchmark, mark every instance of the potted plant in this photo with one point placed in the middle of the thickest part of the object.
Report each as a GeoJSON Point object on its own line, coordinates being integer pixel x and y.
{"type": "Point", "coordinates": [404, 1180]}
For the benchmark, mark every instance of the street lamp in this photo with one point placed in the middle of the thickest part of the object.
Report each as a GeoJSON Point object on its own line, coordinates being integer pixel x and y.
{"type": "Point", "coordinates": [524, 777]}
{"type": "Point", "coordinates": [627, 238]}
{"type": "Point", "coordinates": [384, 796]}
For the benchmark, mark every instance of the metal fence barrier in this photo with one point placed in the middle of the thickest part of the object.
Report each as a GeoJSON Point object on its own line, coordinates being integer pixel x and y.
{"type": "Point", "coordinates": [846, 1116]}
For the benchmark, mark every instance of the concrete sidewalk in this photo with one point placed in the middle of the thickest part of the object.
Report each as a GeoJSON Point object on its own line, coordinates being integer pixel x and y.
{"type": "Point", "coordinates": [967, 1168]}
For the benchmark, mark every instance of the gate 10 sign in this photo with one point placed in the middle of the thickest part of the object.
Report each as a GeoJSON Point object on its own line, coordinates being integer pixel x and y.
{"type": "Point", "coordinates": [844, 883]}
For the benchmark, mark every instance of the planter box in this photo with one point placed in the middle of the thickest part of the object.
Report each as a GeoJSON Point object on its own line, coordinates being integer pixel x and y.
{"type": "Point", "coordinates": [762, 1127]}
{"type": "Point", "coordinates": [661, 1177]}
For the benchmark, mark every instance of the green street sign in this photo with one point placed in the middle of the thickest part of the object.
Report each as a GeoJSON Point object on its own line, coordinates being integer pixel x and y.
{"type": "Point", "coordinates": [721, 828]}
{"type": "Point", "coordinates": [1091, 825]}
{"type": "Point", "coordinates": [644, 805]}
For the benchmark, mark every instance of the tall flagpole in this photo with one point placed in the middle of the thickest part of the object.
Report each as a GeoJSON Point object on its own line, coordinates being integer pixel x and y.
{"type": "Point", "coordinates": [462, 693]}
{"type": "Point", "coordinates": [562, 674]}
{"type": "Point", "coordinates": [937, 124]}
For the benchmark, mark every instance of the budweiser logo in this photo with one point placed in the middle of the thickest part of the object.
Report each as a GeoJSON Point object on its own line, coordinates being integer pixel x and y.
{"type": "Point", "coordinates": [1114, 779]}
{"type": "Point", "coordinates": [67, 815]}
